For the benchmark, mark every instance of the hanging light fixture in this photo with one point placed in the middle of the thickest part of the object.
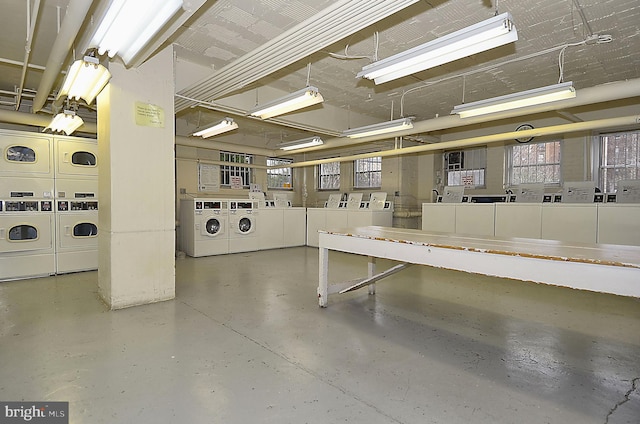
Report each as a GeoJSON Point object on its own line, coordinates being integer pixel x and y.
{"type": "Point", "coordinates": [128, 25]}
{"type": "Point", "coordinates": [551, 93]}
{"type": "Point", "coordinates": [227, 124]}
{"type": "Point", "coordinates": [66, 121]}
{"type": "Point", "coordinates": [85, 80]}
{"type": "Point", "coordinates": [298, 100]}
{"type": "Point", "coordinates": [493, 32]}
{"type": "Point", "coordinates": [381, 128]}
{"type": "Point", "coordinates": [301, 144]}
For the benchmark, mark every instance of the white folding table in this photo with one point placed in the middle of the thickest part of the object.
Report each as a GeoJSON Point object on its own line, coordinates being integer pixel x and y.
{"type": "Point", "coordinates": [603, 268]}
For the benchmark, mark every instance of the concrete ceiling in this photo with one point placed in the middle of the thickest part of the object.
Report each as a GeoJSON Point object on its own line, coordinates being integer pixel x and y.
{"type": "Point", "coordinates": [224, 32]}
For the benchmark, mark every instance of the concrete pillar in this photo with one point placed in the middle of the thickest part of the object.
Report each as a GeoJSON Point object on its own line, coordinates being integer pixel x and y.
{"type": "Point", "coordinates": [136, 184]}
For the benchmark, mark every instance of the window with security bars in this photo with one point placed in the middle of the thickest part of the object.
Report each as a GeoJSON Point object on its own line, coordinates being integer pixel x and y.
{"type": "Point", "coordinates": [279, 178]}
{"type": "Point", "coordinates": [229, 172]}
{"type": "Point", "coordinates": [619, 159]}
{"type": "Point", "coordinates": [534, 163]}
{"type": "Point", "coordinates": [466, 167]}
{"type": "Point", "coordinates": [329, 176]}
{"type": "Point", "coordinates": [367, 173]}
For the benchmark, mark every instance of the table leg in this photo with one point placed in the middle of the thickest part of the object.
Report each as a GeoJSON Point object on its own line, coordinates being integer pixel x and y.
{"type": "Point", "coordinates": [371, 271]}
{"type": "Point", "coordinates": [323, 276]}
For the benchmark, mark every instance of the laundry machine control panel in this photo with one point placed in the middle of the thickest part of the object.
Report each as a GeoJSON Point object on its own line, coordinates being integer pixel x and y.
{"type": "Point", "coordinates": [65, 205]}
{"type": "Point", "coordinates": [241, 205]}
{"type": "Point", "coordinates": [22, 206]}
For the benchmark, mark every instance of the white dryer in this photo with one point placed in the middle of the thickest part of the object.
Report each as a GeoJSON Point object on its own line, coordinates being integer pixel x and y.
{"type": "Point", "coordinates": [27, 238]}
{"type": "Point", "coordinates": [76, 235]}
{"type": "Point", "coordinates": [243, 226]}
{"type": "Point", "coordinates": [76, 158]}
{"type": "Point", "coordinates": [76, 225]}
{"type": "Point", "coordinates": [203, 225]}
{"type": "Point", "coordinates": [25, 155]}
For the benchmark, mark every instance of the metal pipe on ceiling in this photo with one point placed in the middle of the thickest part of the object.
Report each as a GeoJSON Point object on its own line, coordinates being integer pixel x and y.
{"type": "Point", "coordinates": [323, 29]}
{"type": "Point", "coordinates": [32, 19]}
{"type": "Point", "coordinates": [482, 140]}
{"type": "Point", "coordinates": [34, 120]}
{"type": "Point", "coordinates": [74, 18]}
{"type": "Point", "coordinates": [220, 145]}
{"type": "Point", "coordinates": [18, 63]}
{"type": "Point", "coordinates": [585, 96]}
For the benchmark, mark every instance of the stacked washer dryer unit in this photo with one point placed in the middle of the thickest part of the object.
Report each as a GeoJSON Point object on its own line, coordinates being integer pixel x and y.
{"type": "Point", "coordinates": [76, 190]}
{"type": "Point", "coordinates": [27, 238]}
{"type": "Point", "coordinates": [243, 225]}
{"type": "Point", "coordinates": [204, 226]}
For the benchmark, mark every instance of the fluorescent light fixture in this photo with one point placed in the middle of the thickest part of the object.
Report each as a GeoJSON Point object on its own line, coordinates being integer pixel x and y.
{"type": "Point", "coordinates": [522, 99]}
{"type": "Point", "coordinates": [85, 80]}
{"type": "Point", "coordinates": [300, 99]}
{"type": "Point", "coordinates": [66, 122]}
{"type": "Point", "coordinates": [227, 124]}
{"type": "Point", "coordinates": [128, 25]}
{"type": "Point", "coordinates": [301, 144]}
{"type": "Point", "coordinates": [493, 32]}
{"type": "Point", "coordinates": [381, 128]}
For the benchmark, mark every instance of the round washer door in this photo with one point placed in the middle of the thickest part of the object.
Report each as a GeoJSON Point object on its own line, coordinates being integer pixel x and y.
{"type": "Point", "coordinates": [245, 225]}
{"type": "Point", "coordinates": [213, 226]}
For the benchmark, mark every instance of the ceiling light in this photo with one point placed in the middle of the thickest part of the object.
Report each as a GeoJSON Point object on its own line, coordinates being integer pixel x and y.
{"type": "Point", "coordinates": [300, 99]}
{"type": "Point", "coordinates": [381, 128]}
{"type": "Point", "coordinates": [128, 25]}
{"type": "Point", "coordinates": [301, 144]}
{"type": "Point", "coordinates": [66, 122]}
{"type": "Point", "coordinates": [533, 97]}
{"type": "Point", "coordinates": [494, 32]}
{"type": "Point", "coordinates": [85, 80]}
{"type": "Point", "coordinates": [227, 124]}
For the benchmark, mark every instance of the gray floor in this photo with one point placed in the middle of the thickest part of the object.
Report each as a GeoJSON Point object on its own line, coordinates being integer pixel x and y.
{"type": "Point", "coordinates": [245, 342]}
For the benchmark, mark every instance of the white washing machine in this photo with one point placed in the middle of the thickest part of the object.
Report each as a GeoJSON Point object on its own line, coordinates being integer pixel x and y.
{"type": "Point", "coordinates": [25, 155]}
{"type": "Point", "coordinates": [204, 227]}
{"type": "Point", "coordinates": [243, 226]}
{"type": "Point", "coordinates": [76, 225]}
{"type": "Point", "coordinates": [27, 238]}
{"type": "Point", "coordinates": [76, 158]}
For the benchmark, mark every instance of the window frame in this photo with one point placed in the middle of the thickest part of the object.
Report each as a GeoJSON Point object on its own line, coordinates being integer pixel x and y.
{"type": "Point", "coordinates": [322, 176]}
{"type": "Point", "coordinates": [286, 172]}
{"type": "Point", "coordinates": [374, 160]}
{"type": "Point", "coordinates": [246, 172]}
{"type": "Point", "coordinates": [510, 180]}
{"type": "Point", "coordinates": [599, 154]}
{"type": "Point", "coordinates": [447, 169]}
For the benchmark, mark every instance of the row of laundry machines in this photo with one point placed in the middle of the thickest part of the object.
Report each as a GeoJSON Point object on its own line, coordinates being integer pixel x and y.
{"type": "Point", "coordinates": [212, 226]}
{"type": "Point", "coordinates": [48, 205]}
{"type": "Point", "coordinates": [347, 211]}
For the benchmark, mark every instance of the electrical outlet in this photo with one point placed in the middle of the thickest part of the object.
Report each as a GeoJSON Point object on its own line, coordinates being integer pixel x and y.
{"type": "Point", "coordinates": [183, 191]}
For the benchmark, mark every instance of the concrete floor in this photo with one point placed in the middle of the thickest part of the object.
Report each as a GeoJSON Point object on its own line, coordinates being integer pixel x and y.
{"type": "Point", "coordinates": [245, 342]}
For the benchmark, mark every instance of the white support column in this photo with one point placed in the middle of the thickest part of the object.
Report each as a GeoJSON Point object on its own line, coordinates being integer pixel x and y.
{"type": "Point", "coordinates": [136, 184]}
